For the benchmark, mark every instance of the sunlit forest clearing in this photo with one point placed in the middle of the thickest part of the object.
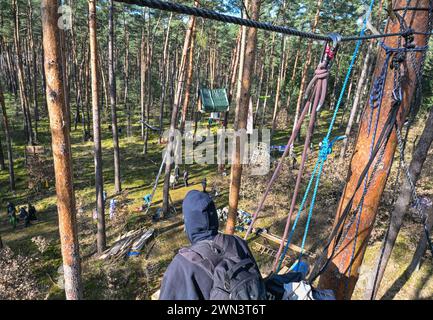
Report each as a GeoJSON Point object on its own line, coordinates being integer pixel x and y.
{"type": "Point", "coordinates": [90, 97]}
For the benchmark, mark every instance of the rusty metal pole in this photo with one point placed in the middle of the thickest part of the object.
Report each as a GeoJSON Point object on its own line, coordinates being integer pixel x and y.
{"type": "Point", "coordinates": [61, 146]}
{"type": "Point", "coordinates": [336, 276]}
{"type": "Point", "coordinates": [236, 169]}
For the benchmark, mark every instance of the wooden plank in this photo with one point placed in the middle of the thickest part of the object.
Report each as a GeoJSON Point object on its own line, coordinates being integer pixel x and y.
{"type": "Point", "coordinates": [293, 247]}
{"type": "Point", "coordinates": [35, 149]}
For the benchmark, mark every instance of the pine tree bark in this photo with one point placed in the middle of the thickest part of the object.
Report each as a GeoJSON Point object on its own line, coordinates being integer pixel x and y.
{"type": "Point", "coordinates": [34, 68]}
{"type": "Point", "coordinates": [142, 82]}
{"type": "Point", "coordinates": [174, 116]}
{"type": "Point", "coordinates": [342, 272]}
{"type": "Point", "coordinates": [269, 80]}
{"type": "Point", "coordinates": [188, 73]}
{"type": "Point", "coordinates": [307, 64]}
{"type": "Point", "coordinates": [241, 68]}
{"type": "Point", "coordinates": [97, 149]}
{"type": "Point", "coordinates": [126, 104]}
{"type": "Point", "coordinates": [291, 81]}
{"type": "Point", "coordinates": [356, 101]}
{"type": "Point", "coordinates": [164, 76]}
{"type": "Point", "coordinates": [112, 84]}
{"type": "Point", "coordinates": [280, 82]}
{"type": "Point", "coordinates": [236, 168]}
{"type": "Point", "coordinates": [8, 141]}
{"type": "Point", "coordinates": [61, 147]}
{"type": "Point", "coordinates": [2, 158]}
{"type": "Point", "coordinates": [21, 81]}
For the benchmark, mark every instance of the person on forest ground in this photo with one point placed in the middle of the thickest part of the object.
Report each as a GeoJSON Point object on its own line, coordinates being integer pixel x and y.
{"type": "Point", "coordinates": [27, 221]}
{"type": "Point", "coordinates": [185, 178]}
{"type": "Point", "coordinates": [172, 181]}
{"type": "Point", "coordinates": [204, 184]}
{"type": "Point", "coordinates": [176, 173]}
{"type": "Point", "coordinates": [12, 214]}
{"type": "Point", "coordinates": [23, 213]}
{"type": "Point", "coordinates": [32, 212]}
{"type": "Point", "coordinates": [216, 265]}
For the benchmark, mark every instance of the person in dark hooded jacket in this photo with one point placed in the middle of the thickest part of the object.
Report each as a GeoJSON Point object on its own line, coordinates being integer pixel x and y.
{"type": "Point", "coordinates": [184, 280]}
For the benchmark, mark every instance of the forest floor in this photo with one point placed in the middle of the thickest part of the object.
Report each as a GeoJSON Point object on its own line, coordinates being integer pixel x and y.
{"type": "Point", "coordinates": [139, 277]}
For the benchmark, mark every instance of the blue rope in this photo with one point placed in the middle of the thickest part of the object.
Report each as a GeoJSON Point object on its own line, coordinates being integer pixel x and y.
{"type": "Point", "coordinates": [326, 147]}
{"type": "Point", "coordinates": [325, 150]}
{"type": "Point", "coordinates": [298, 214]}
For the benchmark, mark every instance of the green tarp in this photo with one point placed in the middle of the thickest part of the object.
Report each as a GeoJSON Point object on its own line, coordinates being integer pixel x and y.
{"type": "Point", "coordinates": [214, 100]}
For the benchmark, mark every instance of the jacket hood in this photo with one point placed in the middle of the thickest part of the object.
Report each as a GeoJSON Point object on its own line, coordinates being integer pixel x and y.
{"type": "Point", "coordinates": [200, 216]}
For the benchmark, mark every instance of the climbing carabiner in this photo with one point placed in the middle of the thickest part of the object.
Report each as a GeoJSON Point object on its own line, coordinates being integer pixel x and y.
{"type": "Point", "coordinates": [336, 39]}
{"type": "Point", "coordinates": [331, 50]}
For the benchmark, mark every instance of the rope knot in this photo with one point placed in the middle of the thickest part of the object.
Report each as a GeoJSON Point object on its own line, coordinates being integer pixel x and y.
{"type": "Point", "coordinates": [326, 147]}
{"type": "Point", "coordinates": [409, 38]}
{"type": "Point", "coordinates": [398, 58]}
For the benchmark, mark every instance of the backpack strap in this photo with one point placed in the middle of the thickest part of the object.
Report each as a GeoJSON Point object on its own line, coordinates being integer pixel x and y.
{"type": "Point", "coordinates": [238, 266]}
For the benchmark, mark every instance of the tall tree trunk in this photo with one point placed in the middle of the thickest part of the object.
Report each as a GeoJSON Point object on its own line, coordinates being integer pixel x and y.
{"type": "Point", "coordinates": [164, 76]}
{"type": "Point", "coordinates": [188, 73]}
{"type": "Point", "coordinates": [142, 82]}
{"type": "Point", "coordinates": [241, 68]}
{"type": "Point", "coordinates": [126, 104]}
{"type": "Point", "coordinates": [291, 81]}
{"type": "Point", "coordinates": [104, 98]}
{"type": "Point", "coordinates": [99, 181]}
{"type": "Point", "coordinates": [21, 82]}
{"type": "Point", "coordinates": [359, 89]}
{"type": "Point", "coordinates": [280, 82]}
{"type": "Point", "coordinates": [174, 116]}
{"type": "Point", "coordinates": [149, 55]}
{"type": "Point", "coordinates": [236, 169]}
{"type": "Point", "coordinates": [65, 76]}
{"type": "Point", "coordinates": [77, 77]}
{"type": "Point", "coordinates": [112, 81]}
{"type": "Point", "coordinates": [44, 86]}
{"type": "Point", "coordinates": [343, 270]}
{"type": "Point", "coordinates": [347, 100]}
{"type": "Point", "coordinates": [2, 158]}
{"type": "Point", "coordinates": [269, 81]}
{"type": "Point", "coordinates": [8, 141]}
{"type": "Point", "coordinates": [307, 64]}
{"type": "Point", "coordinates": [260, 84]}
{"type": "Point", "coordinates": [401, 207]}
{"type": "Point", "coordinates": [34, 69]}
{"type": "Point", "coordinates": [61, 146]}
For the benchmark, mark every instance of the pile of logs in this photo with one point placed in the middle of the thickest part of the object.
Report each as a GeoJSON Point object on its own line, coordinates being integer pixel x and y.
{"type": "Point", "coordinates": [128, 244]}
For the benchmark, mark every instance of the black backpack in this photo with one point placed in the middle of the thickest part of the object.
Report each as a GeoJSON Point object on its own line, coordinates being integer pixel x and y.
{"type": "Point", "coordinates": [234, 272]}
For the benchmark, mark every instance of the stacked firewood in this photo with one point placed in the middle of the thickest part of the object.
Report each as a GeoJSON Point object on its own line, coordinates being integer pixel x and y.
{"type": "Point", "coordinates": [128, 244]}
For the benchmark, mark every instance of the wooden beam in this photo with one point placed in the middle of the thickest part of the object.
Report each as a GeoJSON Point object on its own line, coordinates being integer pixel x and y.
{"type": "Point", "coordinates": [292, 246]}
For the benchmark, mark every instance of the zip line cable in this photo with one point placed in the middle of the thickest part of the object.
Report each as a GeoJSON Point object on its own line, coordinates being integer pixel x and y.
{"type": "Point", "coordinates": [213, 15]}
